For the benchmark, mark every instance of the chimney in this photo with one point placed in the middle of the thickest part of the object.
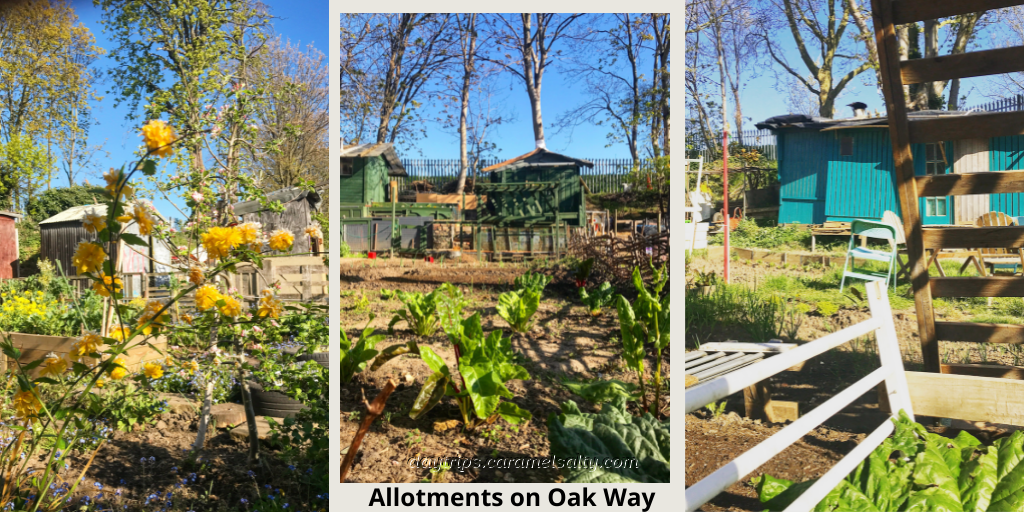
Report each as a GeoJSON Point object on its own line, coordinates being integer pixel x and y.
{"type": "Point", "coordinates": [859, 109]}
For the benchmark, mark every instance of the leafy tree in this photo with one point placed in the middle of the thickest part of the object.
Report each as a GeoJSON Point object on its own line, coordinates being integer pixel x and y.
{"type": "Point", "coordinates": [55, 200]}
{"type": "Point", "coordinates": [22, 164]}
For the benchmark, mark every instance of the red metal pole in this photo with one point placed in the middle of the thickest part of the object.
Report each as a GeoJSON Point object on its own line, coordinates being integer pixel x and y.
{"type": "Point", "coordinates": [725, 196]}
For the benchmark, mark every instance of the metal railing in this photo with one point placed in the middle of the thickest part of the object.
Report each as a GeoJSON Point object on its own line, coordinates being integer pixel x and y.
{"type": "Point", "coordinates": [763, 141]}
{"type": "Point", "coordinates": [891, 373]}
{"type": "Point", "coordinates": [1002, 105]}
{"type": "Point", "coordinates": [607, 175]}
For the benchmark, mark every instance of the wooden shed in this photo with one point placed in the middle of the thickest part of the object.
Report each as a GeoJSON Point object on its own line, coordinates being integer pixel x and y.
{"type": "Point", "coordinates": [366, 170]}
{"type": "Point", "coordinates": [539, 188]}
{"type": "Point", "coordinates": [60, 235]}
{"type": "Point", "coordinates": [10, 263]}
{"type": "Point", "coordinates": [299, 205]}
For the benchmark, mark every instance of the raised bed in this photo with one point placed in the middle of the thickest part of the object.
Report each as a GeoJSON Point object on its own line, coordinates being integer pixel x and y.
{"type": "Point", "coordinates": [37, 346]}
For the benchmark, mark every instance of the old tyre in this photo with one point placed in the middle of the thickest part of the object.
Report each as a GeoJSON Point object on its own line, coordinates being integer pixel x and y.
{"type": "Point", "coordinates": [272, 403]}
{"type": "Point", "coordinates": [321, 358]}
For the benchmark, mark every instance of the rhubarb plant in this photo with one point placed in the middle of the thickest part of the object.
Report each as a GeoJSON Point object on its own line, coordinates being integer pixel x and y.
{"type": "Point", "coordinates": [517, 308]}
{"type": "Point", "coordinates": [420, 312]}
{"type": "Point", "coordinates": [597, 300]}
{"type": "Point", "coordinates": [918, 471]}
{"type": "Point", "coordinates": [484, 366]}
{"type": "Point", "coordinates": [354, 356]}
{"type": "Point", "coordinates": [645, 321]}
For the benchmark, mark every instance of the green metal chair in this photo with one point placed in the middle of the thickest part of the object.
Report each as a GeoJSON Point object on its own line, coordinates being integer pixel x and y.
{"type": "Point", "coordinates": [870, 229]}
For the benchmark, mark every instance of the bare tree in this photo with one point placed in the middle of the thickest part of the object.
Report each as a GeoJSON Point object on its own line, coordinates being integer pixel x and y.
{"type": "Point", "coordinates": [468, 35]}
{"type": "Point", "coordinates": [819, 31]}
{"type": "Point", "coordinates": [661, 122]}
{"type": "Point", "coordinates": [294, 113]}
{"type": "Point", "coordinates": [608, 62]}
{"type": "Point", "coordinates": [533, 36]}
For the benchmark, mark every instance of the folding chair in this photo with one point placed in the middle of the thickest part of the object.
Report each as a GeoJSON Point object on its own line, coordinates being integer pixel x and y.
{"type": "Point", "coordinates": [870, 229]}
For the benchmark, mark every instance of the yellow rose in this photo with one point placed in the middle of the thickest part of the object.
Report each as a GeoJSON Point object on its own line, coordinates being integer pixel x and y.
{"type": "Point", "coordinates": [143, 219]}
{"type": "Point", "coordinates": [207, 297]}
{"type": "Point", "coordinates": [269, 305]}
{"type": "Point", "coordinates": [219, 241]}
{"type": "Point", "coordinates": [87, 344]}
{"type": "Point", "coordinates": [193, 367]}
{"type": "Point", "coordinates": [88, 257]}
{"type": "Point", "coordinates": [250, 232]}
{"type": "Point", "coordinates": [281, 240]}
{"type": "Point", "coordinates": [152, 313]}
{"type": "Point", "coordinates": [118, 371]}
{"type": "Point", "coordinates": [195, 275]}
{"type": "Point", "coordinates": [54, 365]}
{"type": "Point", "coordinates": [27, 405]}
{"type": "Point", "coordinates": [94, 223]}
{"type": "Point", "coordinates": [107, 284]}
{"type": "Point", "coordinates": [153, 370]}
{"type": "Point", "coordinates": [116, 179]}
{"type": "Point", "coordinates": [158, 137]}
{"type": "Point", "coordinates": [231, 307]}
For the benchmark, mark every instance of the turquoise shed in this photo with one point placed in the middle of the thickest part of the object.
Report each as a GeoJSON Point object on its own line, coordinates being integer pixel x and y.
{"type": "Point", "coordinates": [842, 169]}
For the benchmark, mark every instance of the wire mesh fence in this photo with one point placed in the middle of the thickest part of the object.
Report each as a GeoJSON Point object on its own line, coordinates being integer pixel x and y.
{"type": "Point", "coordinates": [763, 141]}
{"type": "Point", "coordinates": [607, 175]}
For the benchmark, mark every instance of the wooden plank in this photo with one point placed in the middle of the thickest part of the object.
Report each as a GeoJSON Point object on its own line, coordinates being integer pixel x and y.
{"type": "Point", "coordinates": [980, 333]}
{"type": "Point", "coordinates": [963, 65]}
{"type": "Point", "coordinates": [973, 126]}
{"type": "Point", "coordinates": [1001, 237]}
{"type": "Point", "coordinates": [967, 397]}
{"type": "Point", "coordinates": [1003, 182]}
{"type": "Point", "coordinates": [735, 346]}
{"type": "Point", "coordinates": [892, 88]}
{"type": "Point", "coordinates": [995, 371]}
{"type": "Point", "coordinates": [910, 11]}
{"type": "Point", "coordinates": [992, 286]}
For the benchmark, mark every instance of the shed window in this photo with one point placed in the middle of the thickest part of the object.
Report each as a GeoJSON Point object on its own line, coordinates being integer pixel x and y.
{"type": "Point", "coordinates": [346, 168]}
{"type": "Point", "coordinates": [935, 159]}
{"type": "Point", "coordinates": [846, 146]}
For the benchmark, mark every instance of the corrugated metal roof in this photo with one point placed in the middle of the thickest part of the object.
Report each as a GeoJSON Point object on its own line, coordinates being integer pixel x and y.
{"type": "Point", "coordinates": [539, 156]}
{"type": "Point", "coordinates": [824, 123]}
{"type": "Point", "coordinates": [383, 149]}
{"type": "Point", "coordinates": [78, 213]}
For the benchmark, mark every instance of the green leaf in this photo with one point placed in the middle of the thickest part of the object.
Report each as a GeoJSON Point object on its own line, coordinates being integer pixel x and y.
{"type": "Point", "coordinates": [392, 352]}
{"type": "Point", "coordinates": [149, 168]}
{"type": "Point", "coordinates": [434, 361]}
{"type": "Point", "coordinates": [134, 239]}
{"type": "Point", "coordinates": [430, 395]}
{"type": "Point", "coordinates": [513, 414]}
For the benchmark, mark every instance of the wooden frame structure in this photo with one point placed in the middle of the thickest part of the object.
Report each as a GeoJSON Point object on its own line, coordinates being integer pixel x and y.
{"type": "Point", "coordinates": [895, 74]}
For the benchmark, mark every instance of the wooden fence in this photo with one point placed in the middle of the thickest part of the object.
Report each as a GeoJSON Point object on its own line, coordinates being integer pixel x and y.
{"type": "Point", "coordinates": [302, 279]}
{"type": "Point", "coordinates": [607, 175]}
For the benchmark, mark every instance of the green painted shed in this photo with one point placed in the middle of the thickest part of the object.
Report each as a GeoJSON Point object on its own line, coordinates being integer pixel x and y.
{"type": "Point", "coordinates": [366, 170]}
{"type": "Point", "coordinates": [539, 188]}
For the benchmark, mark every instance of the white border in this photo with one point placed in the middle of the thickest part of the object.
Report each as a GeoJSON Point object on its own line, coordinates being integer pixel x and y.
{"type": "Point", "coordinates": [353, 496]}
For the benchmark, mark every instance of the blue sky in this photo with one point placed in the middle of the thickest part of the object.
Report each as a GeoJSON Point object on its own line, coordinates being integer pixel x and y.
{"type": "Point", "coordinates": [301, 21]}
{"type": "Point", "coordinates": [560, 93]}
{"type": "Point", "coordinates": [764, 96]}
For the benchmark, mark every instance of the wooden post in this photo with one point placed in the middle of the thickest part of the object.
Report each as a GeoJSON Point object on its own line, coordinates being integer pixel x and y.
{"type": "Point", "coordinates": [394, 217]}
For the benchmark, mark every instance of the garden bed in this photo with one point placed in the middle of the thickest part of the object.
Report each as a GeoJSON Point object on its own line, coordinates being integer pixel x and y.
{"type": "Point", "coordinates": [566, 343]}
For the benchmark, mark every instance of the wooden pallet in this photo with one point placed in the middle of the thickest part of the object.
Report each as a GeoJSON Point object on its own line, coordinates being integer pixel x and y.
{"type": "Point", "coordinates": [715, 360]}
{"type": "Point", "coordinates": [887, 14]}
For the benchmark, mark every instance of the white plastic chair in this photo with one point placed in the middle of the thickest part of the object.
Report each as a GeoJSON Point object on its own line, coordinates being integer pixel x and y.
{"type": "Point", "coordinates": [870, 229]}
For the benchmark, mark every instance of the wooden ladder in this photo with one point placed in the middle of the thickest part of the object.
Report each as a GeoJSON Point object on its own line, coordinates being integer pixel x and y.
{"type": "Point", "coordinates": [895, 74]}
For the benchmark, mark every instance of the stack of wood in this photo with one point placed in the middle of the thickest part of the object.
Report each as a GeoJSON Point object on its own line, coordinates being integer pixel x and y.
{"type": "Point", "coordinates": [832, 228]}
{"type": "Point", "coordinates": [453, 186]}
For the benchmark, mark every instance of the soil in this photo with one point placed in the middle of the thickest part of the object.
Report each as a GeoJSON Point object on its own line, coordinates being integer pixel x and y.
{"type": "Point", "coordinates": [152, 465]}
{"type": "Point", "coordinates": [711, 442]}
{"type": "Point", "coordinates": [565, 343]}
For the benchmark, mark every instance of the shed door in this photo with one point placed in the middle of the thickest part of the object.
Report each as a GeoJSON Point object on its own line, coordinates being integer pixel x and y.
{"type": "Point", "coordinates": [9, 248]}
{"type": "Point", "coordinates": [971, 155]}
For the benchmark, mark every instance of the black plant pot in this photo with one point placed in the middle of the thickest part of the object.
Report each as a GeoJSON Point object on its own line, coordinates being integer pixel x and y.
{"type": "Point", "coordinates": [272, 403]}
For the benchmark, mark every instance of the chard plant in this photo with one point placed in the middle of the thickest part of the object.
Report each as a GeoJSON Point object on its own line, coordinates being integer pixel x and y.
{"type": "Point", "coordinates": [645, 321]}
{"type": "Point", "coordinates": [484, 365]}
{"type": "Point", "coordinates": [517, 308]}
{"type": "Point", "coordinates": [916, 470]}
{"type": "Point", "coordinates": [597, 299]}
{"type": "Point", "coordinates": [354, 356]}
{"type": "Point", "coordinates": [420, 312]}
{"type": "Point", "coordinates": [533, 282]}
